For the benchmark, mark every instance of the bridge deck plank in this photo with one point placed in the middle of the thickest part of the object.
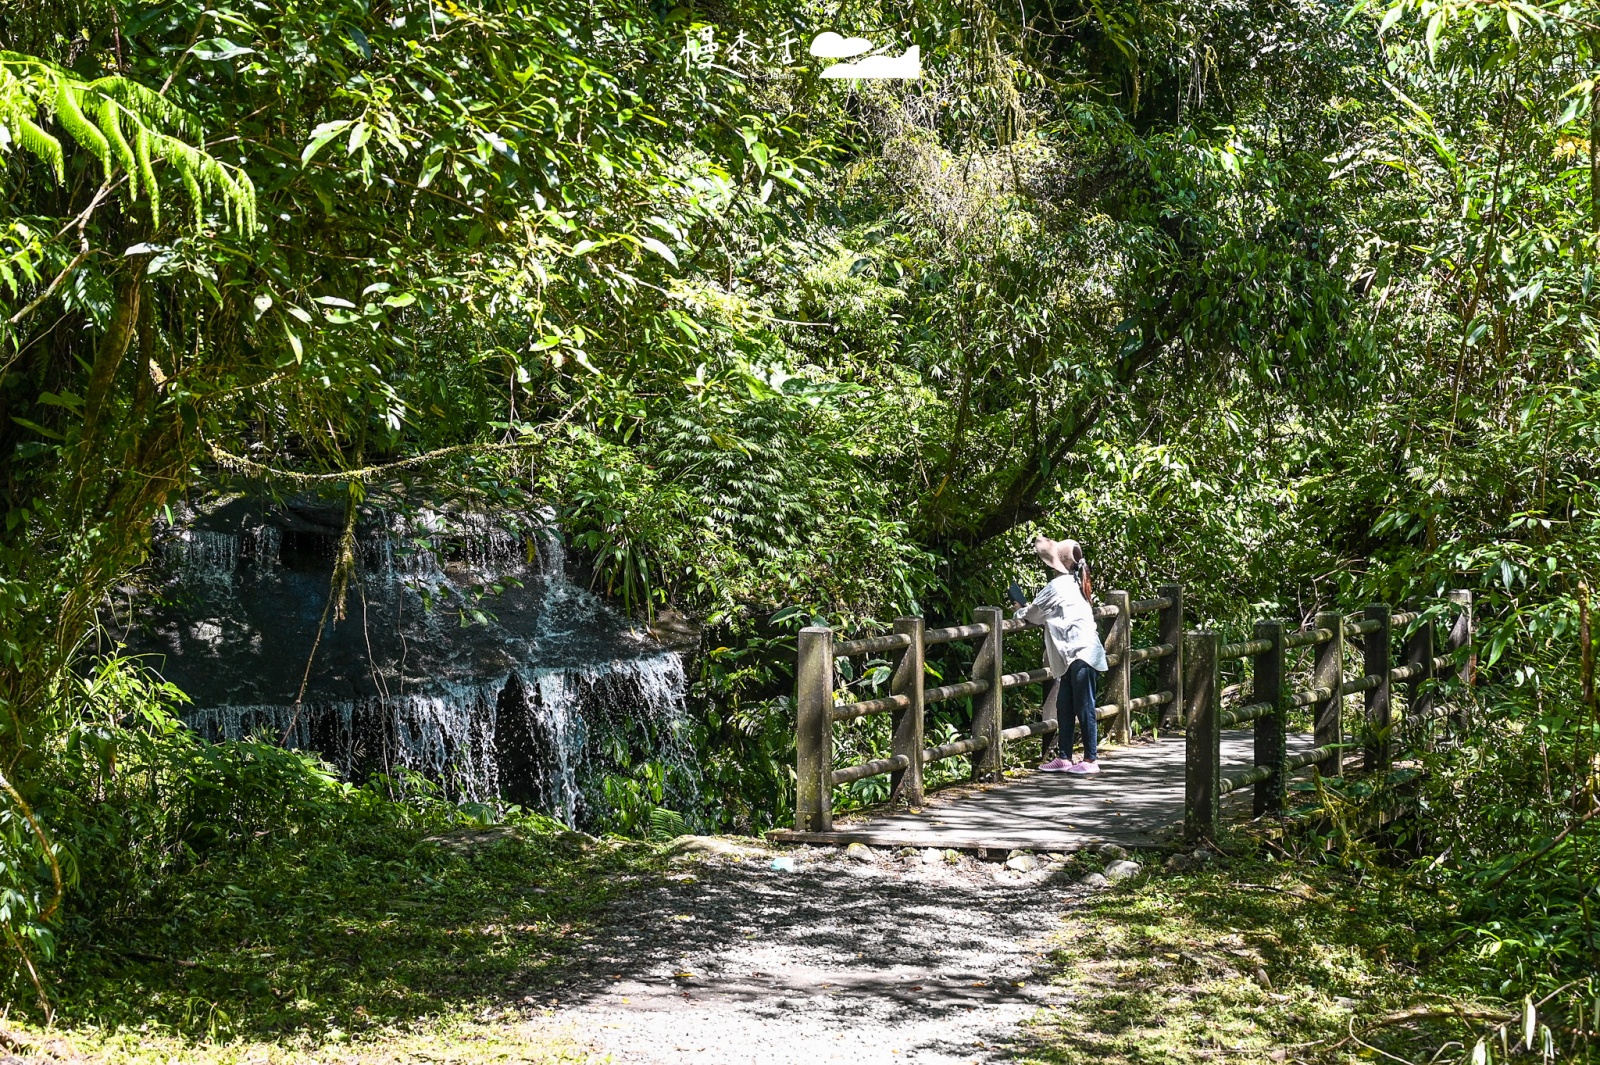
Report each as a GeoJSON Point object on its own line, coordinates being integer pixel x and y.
{"type": "Point", "coordinates": [1136, 800]}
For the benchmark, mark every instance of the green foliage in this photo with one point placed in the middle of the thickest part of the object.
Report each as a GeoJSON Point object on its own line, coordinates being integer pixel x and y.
{"type": "Point", "coordinates": [1291, 308]}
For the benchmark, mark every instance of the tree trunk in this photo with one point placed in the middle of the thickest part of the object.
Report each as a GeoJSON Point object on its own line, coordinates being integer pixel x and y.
{"type": "Point", "coordinates": [113, 346]}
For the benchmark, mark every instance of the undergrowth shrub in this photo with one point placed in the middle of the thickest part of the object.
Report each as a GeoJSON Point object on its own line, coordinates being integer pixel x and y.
{"type": "Point", "coordinates": [129, 799]}
{"type": "Point", "coordinates": [1494, 848]}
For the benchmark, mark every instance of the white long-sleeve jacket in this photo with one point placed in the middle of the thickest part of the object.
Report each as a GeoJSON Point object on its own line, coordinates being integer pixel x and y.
{"type": "Point", "coordinates": [1070, 633]}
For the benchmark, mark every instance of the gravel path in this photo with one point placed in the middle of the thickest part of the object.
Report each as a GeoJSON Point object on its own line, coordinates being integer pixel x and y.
{"type": "Point", "coordinates": [922, 957]}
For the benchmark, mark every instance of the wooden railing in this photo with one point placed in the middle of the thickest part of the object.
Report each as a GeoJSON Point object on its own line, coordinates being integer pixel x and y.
{"type": "Point", "coordinates": [909, 698]}
{"type": "Point", "coordinates": [1269, 700]}
{"type": "Point", "coordinates": [1186, 682]}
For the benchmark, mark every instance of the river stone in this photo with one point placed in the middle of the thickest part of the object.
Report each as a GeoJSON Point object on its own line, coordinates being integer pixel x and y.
{"type": "Point", "coordinates": [860, 852]}
{"type": "Point", "coordinates": [462, 840]}
{"type": "Point", "coordinates": [908, 852]}
{"type": "Point", "coordinates": [931, 857]}
{"type": "Point", "coordinates": [1114, 851]}
{"type": "Point", "coordinates": [1093, 881]}
{"type": "Point", "coordinates": [717, 846]}
{"type": "Point", "coordinates": [1121, 870]}
{"type": "Point", "coordinates": [1022, 863]}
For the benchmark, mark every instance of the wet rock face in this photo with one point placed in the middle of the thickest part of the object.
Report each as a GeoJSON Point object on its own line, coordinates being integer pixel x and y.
{"type": "Point", "coordinates": [466, 653]}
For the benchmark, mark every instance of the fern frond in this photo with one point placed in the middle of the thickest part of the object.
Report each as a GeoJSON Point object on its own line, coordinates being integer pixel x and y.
{"type": "Point", "coordinates": [17, 108]}
{"type": "Point", "coordinates": [130, 129]}
{"type": "Point", "coordinates": [196, 196]}
{"type": "Point", "coordinates": [109, 115]}
{"type": "Point", "coordinates": [188, 163]}
{"type": "Point", "coordinates": [249, 201]}
{"type": "Point", "coordinates": [147, 173]}
{"type": "Point", "coordinates": [33, 137]}
{"type": "Point", "coordinates": [147, 105]}
{"type": "Point", "coordinates": [70, 115]}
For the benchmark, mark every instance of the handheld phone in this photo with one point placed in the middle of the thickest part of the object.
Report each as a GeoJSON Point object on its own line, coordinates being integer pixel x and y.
{"type": "Point", "coordinates": [1016, 594]}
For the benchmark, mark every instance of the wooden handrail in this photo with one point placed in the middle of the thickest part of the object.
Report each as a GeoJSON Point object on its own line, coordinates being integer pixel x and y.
{"type": "Point", "coordinates": [871, 645]}
{"type": "Point", "coordinates": [1146, 701]}
{"type": "Point", "coordinates": [1360, 684]}
{"type": "Point", "coordinates": [908, 699]}
{"type": "Point", "coordinates": [954, 691]}
{"type": "Point", "coordinates": [1240, 714]}
{"type": "Point", "coordinates": [954, 633]}
{"type": "Point", "coordinates": [1379, 724]}
{"type": "Point", "coordinates": [851, 711]}
{"type": "Point", "coordinates": [1244, 649]}
{"type": "Point", "coordinates": [959, 747]}
{"type": "Point", "coordinates": [870, 769]}
{"type": "Point", "coordinates": [1311, 757]}
{"type": "Point", "coordinates": [1309, 696]}
{"type": "Point", "coordinates": [1361, 628]}
{"type": "Point", "coordinates": [1033, 676]}
{"type": "Point", "coordinates": [1307, 638]}
{"type": "Point", "coordinates": [1241, 778]}
{"type": "Point", "coordinates": [1410, 672]}
{"type": "Point", "coordinates": [1037, 728]}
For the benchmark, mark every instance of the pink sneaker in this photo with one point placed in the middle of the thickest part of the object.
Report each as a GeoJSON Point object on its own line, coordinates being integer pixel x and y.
{"type": "Point", "coordinates": [1084, 768]}
{"type": "Point", "coordinates": [1057, 765]}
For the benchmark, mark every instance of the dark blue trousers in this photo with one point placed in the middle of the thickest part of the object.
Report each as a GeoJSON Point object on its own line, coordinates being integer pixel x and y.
{"type": "Point", "coordinates": [1074, 695]}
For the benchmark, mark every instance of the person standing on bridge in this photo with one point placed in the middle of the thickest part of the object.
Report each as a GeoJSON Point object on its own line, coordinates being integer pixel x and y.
{"type": "Point", "coordinates": [1072, 650]}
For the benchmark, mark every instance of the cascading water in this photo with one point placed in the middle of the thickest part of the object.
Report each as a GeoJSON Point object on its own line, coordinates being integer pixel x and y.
{"type": "Point", "coordinates": [465, 654]}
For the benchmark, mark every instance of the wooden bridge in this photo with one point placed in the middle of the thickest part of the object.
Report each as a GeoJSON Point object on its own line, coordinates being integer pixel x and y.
{"type": "Point", "coordinates": [1235, 735]}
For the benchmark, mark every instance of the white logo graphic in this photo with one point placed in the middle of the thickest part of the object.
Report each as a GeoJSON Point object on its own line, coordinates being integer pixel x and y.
{"type": "Point", "coordinates": [829, 45]}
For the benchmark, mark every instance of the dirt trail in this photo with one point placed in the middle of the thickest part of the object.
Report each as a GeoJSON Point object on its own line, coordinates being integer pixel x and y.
{"type": "Point", "coordinates": [841, 960]}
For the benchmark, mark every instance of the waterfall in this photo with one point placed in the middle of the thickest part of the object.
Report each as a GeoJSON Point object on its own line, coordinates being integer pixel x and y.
{"type": "Point", "coordinates": [466, 654]}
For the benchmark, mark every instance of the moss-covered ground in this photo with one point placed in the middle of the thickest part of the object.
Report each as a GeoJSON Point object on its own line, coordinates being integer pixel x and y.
{"type": "Point", "coordinates": [1251, 960]}
{"type": "Point", "coordinates": [361, 950]}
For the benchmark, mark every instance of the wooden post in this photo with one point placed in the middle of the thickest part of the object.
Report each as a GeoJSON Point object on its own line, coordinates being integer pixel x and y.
{"type": "Point", "coordinates": [1271, 741]}
{"type": "Point", "coordinates": [907, 783]}
{"type": "Point", "coordinates": [1461, 636]}
{"type": "Point", "coordinates": [1117, 679]}
{"type": "Point", "coordinates": [1169, 673]}
{"type": "Point", "coordinates": [1203, 741]}
{"type": "Point", "coordinates": [1327, 671]}
{"type": "Point", "coordinates": [989, 665]}
{"type": "Point", "coordinates": [1377, 750]}
{"type": "Point", "coordinates": [813, 748]}
{"type": "Point", "coordinates": [1419, 694]}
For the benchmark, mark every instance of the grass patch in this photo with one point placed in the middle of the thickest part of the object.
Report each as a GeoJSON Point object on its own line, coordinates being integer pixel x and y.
{"type": "Point", "coordinates": [384, 943]}
{"type": "Point", "coordinates": [1250, 960]}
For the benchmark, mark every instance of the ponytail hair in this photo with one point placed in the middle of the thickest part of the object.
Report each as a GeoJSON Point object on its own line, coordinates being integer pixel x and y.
{"type": "Point", "coordinates": [1081, 566]}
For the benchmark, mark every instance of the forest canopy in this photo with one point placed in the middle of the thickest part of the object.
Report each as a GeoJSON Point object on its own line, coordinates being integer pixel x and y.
{"type": "Point", "coordinates": [1287, 301]}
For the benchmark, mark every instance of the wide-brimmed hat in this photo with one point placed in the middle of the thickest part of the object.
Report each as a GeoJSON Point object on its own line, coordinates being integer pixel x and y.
{"type": "Point", "coordinates": [1059, 555]}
